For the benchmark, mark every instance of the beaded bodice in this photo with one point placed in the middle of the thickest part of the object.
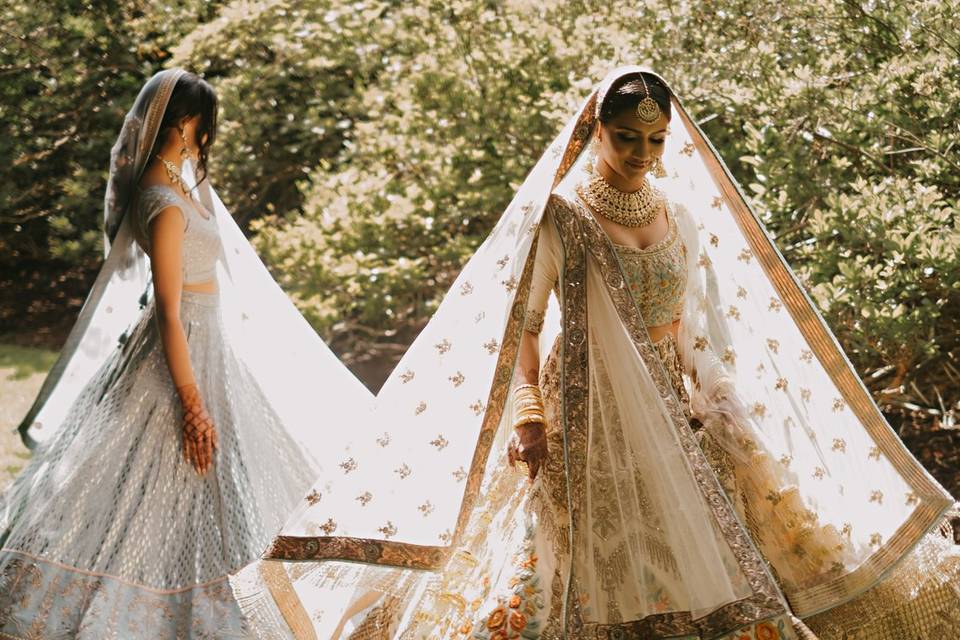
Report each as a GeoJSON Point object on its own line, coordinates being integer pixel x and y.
{"type": "Point", "coordinates": [201, 242]}
{"type": "Point", "coordinates": [657, 275]}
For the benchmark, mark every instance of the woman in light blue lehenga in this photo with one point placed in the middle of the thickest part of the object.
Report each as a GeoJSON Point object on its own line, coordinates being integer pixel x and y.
{"type": "Point", "coordinates": [171, 438]}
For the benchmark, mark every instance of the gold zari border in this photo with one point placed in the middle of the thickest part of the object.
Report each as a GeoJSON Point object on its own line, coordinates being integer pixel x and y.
{"type": "Point", "coordinates": [933, 500]}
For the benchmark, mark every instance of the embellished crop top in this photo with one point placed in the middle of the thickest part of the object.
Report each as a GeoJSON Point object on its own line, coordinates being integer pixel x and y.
{"type": "Point", "coordinates": [656, 275]}
{"type": "Point", "coordinates": [201, 241]}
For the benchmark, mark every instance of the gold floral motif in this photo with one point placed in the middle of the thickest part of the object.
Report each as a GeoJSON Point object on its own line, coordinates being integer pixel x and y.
{"type": "Point", "coordinates": [733, 312]}
{"type": "Point", "coordinates": [502, 262]}
{"type": "Point", "coordinates": [440, 442]}
{"type": "Point", "coordinates": [839, 444]}
{"type": "Point", "coordinates": [775, 305]}
{"type": "Point", "coordinates": [420, 408]}
{"type": "Point", "coordinates": [805, 394]}
{"type": "Point", "coordinates": [745, 256]}
{"type": "Point", "coordinates": [329, 526]}
{"type": "Point", "coordinates": [348, 465]}
{"type": "Point", "coordinates": [758, 410]}
{"type": "Point", "coordinates": [741, 292]}
{"type": "Point", "coordinates": [426, 508]}
{"type": "Point", "coordinates": [782, 384]}
{"type": "Point", "coordinates": [459, 474]}
{"type": "Point", "coordinates": [492, 346]}
{"type": "Point", "coordinates": [700, 343]}
{"type": "Point", "coordinates": [874, 453]}
{"type": "Point", "coordinates": [912, 498]}
{"type": "Point", "coordinates": [403, 470]}
{"type": "Point", "coordinates": [838, 405]}
{"type": "Point", "coordinates": [443, 346]}
{"type": "Point", "coordinates": [714, 240]}
{"type": "Point", "coordinates": [876, 539]}
{"type": "Point", "coordinates": [806, 355]}
{"type": "Point", "coordinates": [364, 498]}
{"type": "Point", "coordinates": [446, 537]}
{"type": "Point", "coordinates": [819, 473]}
{"type": "Point", "coordinates": [704, 259]}
{"type": "Point", "coordinates": [457, 379]}
{"type": "Point", "coordinates": [717, 202]}
{"type": "Point", "coordinates": [480, 316]}
{"type": "Point", "coordinates": [406, 376]}
{"type": "Point", "coordinates": [785, 460]}
{"type": "Point", "coordinates": [466, 288]}
{"type": "Point", "coordinates": [388, 530]}
{"type": "Point", "coordinates": [384, 440]}
{"type": "Point", "coordinates": [687, 149]}
{"type": "Point", "coordinates": [876, 496]}
{"type": "Point", "coordinates": [313, 497]}
{"type": "Point", "coordinates": [773, 345]}
{"type": "Point", "coordinates": [510, 284]}
{"type": "Point", "coordinates": [477, 408]}
{"type": "Point", "coordinates": [729, 355]}
{"type": "Point", "coordinates": [847, 529]}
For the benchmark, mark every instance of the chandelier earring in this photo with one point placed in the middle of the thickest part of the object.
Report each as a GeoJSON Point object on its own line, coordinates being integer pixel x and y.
{"type": "Point", "coordinates": [659, 171]}
{"type": "Point", "coordinates": [591, 165]}
{"type": "Point", "coordinates": [184, 150]}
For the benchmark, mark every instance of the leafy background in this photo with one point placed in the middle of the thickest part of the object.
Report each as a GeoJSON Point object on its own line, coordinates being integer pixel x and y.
{"type": "Point", "coordinates": [368, 147]}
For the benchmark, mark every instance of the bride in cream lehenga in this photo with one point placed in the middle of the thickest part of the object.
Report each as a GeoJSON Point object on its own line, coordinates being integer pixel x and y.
{"type": "Point", "coordinates": [707, 463]}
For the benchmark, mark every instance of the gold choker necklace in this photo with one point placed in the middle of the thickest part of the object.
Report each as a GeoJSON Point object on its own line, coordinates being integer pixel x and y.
{"type": "Point", "coordinates": [636, 209]}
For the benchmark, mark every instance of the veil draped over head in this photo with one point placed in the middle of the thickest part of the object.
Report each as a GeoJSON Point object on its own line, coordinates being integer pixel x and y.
{"type": "Point", "coordinates": [401, 493]}
{"type": "Point", "coordinates": [302, 379]}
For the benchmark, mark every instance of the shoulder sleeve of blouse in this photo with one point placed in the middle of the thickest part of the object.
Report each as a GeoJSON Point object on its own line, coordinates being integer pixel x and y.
{"type": "Point", "coordinates": [546, 267]}
{"type": "Point", "coordinates": [153, 201]}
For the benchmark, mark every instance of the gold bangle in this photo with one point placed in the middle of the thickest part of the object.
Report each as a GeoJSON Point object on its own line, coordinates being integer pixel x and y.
{"type": "Point", "coordinates": [519, 422]}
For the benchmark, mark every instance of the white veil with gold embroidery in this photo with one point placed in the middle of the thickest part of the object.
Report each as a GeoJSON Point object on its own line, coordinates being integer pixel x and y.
{"type": "Point", "coordinates": [797, 417]}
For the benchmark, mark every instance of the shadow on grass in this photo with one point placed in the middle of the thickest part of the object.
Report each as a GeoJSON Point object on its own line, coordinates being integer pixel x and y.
{"type": "Point", "coordinates": [25, 361]}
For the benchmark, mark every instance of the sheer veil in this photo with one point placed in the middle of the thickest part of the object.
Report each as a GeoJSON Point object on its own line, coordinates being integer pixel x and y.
{"type": "Point", "coordinates": [402, 491]}
{"type": "Point", "coordinates": [311, 390]}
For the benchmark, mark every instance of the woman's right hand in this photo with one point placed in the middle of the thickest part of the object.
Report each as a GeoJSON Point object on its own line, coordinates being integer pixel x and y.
{"type": "Point", "coordinates": [199, 433]}
{"type": "Point", "coordinates": [528, 444]}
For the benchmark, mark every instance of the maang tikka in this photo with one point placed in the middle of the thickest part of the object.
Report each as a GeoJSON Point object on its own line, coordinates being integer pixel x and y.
{"type": "Point", "coordinates": [648, 110]}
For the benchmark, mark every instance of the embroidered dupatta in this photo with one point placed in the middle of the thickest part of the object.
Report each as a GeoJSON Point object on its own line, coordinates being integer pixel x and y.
{"type": "Point", "coordinates": [815, 438]}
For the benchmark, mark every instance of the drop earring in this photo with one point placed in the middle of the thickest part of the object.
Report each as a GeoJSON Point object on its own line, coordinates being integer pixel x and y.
{"type": "Point", "coordinates": [659, 171]}
{"type": "Point", "coordinates": [592, 156]}
{"type": "Point", "coordinates": [184, 151]}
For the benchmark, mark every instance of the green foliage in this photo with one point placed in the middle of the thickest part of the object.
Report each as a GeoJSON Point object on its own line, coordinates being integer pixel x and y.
{"type": "Point", "coordinates": [372, 144]}
{"type": "Point", "coordinates": [70, 72]}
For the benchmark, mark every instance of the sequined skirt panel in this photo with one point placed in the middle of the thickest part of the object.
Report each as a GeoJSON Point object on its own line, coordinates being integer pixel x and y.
{"type": "Point", "coordinates": [108, 532]}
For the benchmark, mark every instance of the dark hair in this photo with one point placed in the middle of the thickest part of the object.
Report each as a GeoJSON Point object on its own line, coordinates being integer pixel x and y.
{"type": "Point", "coordinates": [628, 90]}
{"type": "Point", "coordinates": [191, 96]}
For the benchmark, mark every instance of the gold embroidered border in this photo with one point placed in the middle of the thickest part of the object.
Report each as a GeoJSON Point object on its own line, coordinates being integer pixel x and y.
{"type": "Point", "coordinates": [574, 395]}
{"type": "Point", "coordinates": [413, 556]}
{"type": "Point", "coordinates": [368, 550]}
{"type": "Point", "coordinates": [934, 501]}
{"type": "Point", "coordinates": [765, 601]}
{"type": "Point", "coordinates": [274, 575]}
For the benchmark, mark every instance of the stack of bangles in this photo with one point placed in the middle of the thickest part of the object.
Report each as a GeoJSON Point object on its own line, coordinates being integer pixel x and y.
{"type": "Point", "coordinates": [527, 405]}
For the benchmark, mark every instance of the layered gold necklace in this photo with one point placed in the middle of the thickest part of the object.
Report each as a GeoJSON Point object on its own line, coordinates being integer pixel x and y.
{"type": "Point", "coordinates": [635, 209]}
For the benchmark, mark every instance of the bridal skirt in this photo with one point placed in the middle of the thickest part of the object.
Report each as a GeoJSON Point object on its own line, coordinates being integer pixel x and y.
{"type": "Point", "coordinates": [110, 533]}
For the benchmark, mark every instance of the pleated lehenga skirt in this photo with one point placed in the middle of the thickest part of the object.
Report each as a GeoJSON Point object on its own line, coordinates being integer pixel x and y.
{"type": "Point", "coordinates": [109, 533]}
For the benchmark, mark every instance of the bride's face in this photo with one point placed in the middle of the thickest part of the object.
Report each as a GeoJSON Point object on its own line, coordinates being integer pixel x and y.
{"type": "Point", "coordinates": [628, 146]}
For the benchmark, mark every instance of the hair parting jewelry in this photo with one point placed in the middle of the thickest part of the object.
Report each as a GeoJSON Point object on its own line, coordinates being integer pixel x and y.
{"type": "Point", "coordinates": [648, 110]}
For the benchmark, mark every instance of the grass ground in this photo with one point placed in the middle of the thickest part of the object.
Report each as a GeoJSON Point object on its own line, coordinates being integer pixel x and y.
{"type": "Point", "coordinates": [22, 370]}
